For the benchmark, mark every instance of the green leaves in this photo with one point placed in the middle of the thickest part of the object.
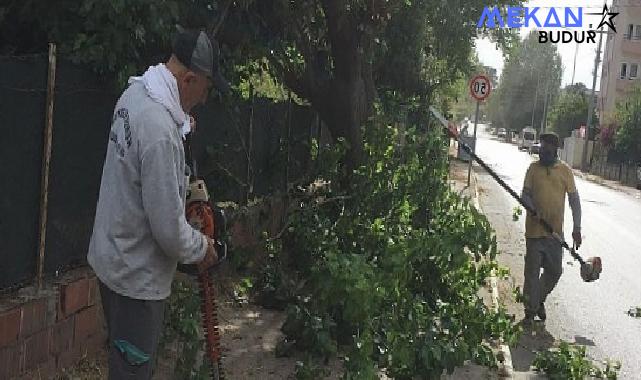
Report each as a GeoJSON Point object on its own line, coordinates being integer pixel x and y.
{"type": "Point", "coordinates": [570, 112]}
{"type": "Point", "coordinates": [386, 272]}
{"type": "Point", "coordinates": [532, 72]}
{"type": "Point", "coordinates": [183, 324]}
{"type": "Point", "coordinates": [516, 213]}
{"type": "Point", "coordinates": [569, 361]}
{"type": "Point", "coordinates": [628, 117]}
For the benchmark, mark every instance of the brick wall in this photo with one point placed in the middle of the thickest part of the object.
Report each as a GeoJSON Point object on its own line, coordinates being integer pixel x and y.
{"type": "Point", "coordinates": [51, 329]}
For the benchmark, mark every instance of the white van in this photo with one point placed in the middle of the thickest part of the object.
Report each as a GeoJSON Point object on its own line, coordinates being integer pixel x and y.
{"type": "Point", "coordinates": [527, 138]}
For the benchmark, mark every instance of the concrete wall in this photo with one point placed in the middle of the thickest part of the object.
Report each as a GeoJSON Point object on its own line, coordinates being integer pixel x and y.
{"type": "Point", "coordinates": [572, 151]}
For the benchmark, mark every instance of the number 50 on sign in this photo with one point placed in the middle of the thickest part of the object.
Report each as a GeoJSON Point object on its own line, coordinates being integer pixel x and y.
{"type": "Point", "coordinates": [480, 87]}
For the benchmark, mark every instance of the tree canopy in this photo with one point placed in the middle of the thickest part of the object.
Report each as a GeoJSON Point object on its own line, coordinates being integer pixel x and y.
{"type": "Point", "coordinates": [336, 54]}
{"type": "Point", "coordinates": [571, 110]}
{"type": "Point", "coordinates": [532, 71]}
{"type": "Point", "coordinates": [628, 118]}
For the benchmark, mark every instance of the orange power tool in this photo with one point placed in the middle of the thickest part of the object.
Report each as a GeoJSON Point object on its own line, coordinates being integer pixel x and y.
{"type": "Point", "coordinates": [201, 215]}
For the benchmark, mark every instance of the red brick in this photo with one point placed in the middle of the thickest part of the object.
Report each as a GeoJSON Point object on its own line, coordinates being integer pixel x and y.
{"type": "Point", "coordinates": [42, 371]}
{"type": "Point", "coordinates": [69, 358]}
{"type": "Point", "coordinates": [86, 323]}
{"type": "Point", "coordinates": [92, 345]}
{"type": "Point", "coordinates": [73, 297]}
{"type": "Point", "coordinates": [93, 291]}
{"type": "Point", "coordinates": [9, 326]}
{"type": "Point", "coordinates": [34, 317]}
{"type": "Point", "coordinates": [36, 349]}
{"type": "Point", "coordinates": [10, 361]}
{"type": "Point", "coordinates": [62, 336]}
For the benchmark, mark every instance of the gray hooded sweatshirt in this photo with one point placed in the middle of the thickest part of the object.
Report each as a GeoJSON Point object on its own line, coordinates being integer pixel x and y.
{"type": "Point", "coordinates": [140, 231]}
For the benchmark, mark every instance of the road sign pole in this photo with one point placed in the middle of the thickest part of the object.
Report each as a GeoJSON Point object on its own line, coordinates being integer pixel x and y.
{"type": "Point", "coordinates": [584, 157]}
{"type": "Point", "coordinates": [476, 120]}
{"type": "Point", "coordinates": [480, 88]}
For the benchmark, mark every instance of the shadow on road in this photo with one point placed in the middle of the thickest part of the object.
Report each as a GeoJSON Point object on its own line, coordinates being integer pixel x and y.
{"type": "Point", "coordinates": [534, 338]}
{"type": "Point", "coordinates": [583, 341]}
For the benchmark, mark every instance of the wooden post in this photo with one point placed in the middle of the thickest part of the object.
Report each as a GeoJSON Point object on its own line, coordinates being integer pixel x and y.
{"type": "Point", "coordinates": [289, 127]}
{"type": "Point", "coordinates": [250, 168]}
{"type": "Point", "coordinates": [46, 159]}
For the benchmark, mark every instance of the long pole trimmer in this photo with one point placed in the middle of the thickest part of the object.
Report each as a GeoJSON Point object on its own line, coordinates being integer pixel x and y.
{"type": "Point", "coordinates": [590, 268]}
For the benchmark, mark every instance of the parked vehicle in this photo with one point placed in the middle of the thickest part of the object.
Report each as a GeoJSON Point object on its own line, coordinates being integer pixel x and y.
{"type": "Point", "coordinates": [527, 138]}
{"type": "Point", "coordinates": [534, 149]}
{"type": "Point", "coordinates": [501, 133]}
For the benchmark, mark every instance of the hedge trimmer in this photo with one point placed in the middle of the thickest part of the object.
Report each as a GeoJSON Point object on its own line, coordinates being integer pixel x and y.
{"type": "Point", "coordinates": [201, 215]}
{"type": "Point", "coordinates": [590, 268]}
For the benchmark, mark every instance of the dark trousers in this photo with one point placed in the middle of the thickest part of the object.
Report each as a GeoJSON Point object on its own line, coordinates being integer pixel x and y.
{"type": "Point", "coordinates": [137, 322]}
{"type": "Point", "coordinates": [546, 254]}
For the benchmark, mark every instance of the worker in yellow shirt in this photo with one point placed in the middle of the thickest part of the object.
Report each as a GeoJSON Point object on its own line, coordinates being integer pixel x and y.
{"type": "Point", "coordinates": [547, 181]}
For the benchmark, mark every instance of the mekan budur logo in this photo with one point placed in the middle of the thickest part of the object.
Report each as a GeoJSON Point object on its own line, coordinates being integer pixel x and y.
{"type": "Point", "coordinates": [517, 17]}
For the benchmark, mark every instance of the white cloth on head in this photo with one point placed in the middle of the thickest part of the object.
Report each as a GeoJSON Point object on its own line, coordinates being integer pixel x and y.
{"type": "Point", "coordinates": [162, 87]}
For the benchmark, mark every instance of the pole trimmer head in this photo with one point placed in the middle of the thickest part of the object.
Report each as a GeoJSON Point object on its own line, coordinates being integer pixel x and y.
{"type": "Point", "coordinates": [591, 269]}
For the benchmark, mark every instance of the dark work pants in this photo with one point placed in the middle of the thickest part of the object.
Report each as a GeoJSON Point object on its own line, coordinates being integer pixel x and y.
{"type": "Point", "coordinates": [138, 322]}
{"type": "Point", "coordinates": [545, 253]}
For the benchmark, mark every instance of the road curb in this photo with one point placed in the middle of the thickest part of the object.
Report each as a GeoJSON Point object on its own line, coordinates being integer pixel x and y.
{"type": "Point", "coordinates": [506, 368]}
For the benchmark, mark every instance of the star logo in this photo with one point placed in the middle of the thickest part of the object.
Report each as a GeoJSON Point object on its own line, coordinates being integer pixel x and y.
{"type": "Point", "coordinates": [606, 14]}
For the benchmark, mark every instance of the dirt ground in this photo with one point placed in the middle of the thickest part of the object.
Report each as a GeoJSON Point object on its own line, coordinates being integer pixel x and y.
{"type": "Point", "coordinates": [249, 335]}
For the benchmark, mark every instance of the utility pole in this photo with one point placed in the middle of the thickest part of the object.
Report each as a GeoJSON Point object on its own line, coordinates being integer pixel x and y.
{"type": "Point", "coordinates": [576, 51]}
{"type": "Point", "coordinates": [545, 107]}
{"type": "Point", "coordinates": [536, 95]}
{"type": "Point", "coordinates": [584, 157]}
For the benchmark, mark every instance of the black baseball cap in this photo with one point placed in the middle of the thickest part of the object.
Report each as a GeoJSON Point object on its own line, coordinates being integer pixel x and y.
{"type": "Point", "coordinates": [550, 138]}
{"type": "Point", "coordinates": [200, 54]}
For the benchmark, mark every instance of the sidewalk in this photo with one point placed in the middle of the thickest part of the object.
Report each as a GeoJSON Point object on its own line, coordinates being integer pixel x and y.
{"type": "Point", "coordinates": [491, 200]}
{"type": "Point", "coordinates": [458, 182]}
{"type": "Point", "coordinates": [614, 185]}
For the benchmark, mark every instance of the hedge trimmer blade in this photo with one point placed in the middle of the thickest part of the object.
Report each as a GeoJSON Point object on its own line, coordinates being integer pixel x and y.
{"type": "Point", "coordinates": [210, 325]}
{"type": "Point", "coordinates": [201, 215]}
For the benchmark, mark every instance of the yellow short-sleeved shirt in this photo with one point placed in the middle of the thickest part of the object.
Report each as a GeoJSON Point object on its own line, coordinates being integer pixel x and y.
{"type": "Point", "coordinates": [548, 186]}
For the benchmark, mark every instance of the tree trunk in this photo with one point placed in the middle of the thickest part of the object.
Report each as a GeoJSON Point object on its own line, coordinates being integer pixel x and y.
{"type": "Point", "coordinates": [346, 101]}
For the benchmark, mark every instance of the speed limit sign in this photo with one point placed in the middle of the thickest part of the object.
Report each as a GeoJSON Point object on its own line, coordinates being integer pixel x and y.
{"type": "Point", "coordinates": [480, 87]}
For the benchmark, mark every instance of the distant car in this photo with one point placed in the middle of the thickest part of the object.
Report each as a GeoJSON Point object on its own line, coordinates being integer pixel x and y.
{"type": "Point", "coordinates": [501, 133]}
{"type": "Point", "coordinates": [527, 137]}
{"type": "Point", "coordinates": [534, 148]}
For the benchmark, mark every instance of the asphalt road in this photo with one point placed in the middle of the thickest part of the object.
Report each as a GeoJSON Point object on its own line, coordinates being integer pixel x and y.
{"type": "Point", "coordinates": [592, 314]}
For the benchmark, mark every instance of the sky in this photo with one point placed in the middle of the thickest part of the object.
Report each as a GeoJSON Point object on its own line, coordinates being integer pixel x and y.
{"type": "Point", "coordinates": [490, 56]}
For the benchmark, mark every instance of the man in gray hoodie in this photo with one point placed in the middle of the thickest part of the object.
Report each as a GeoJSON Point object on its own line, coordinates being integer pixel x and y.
{"type": "Point", "coordinates": [140, 232]}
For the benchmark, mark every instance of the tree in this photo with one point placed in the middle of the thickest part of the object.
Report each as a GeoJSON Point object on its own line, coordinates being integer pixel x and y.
{"type": "Point", "coordinates": [116, 38]}
{"type": "Point", "coordinates": [336, 54]}
{"type": "Point", "coordinates": [628, 117]}
{"type": "Point", "coordinates": [570, 111]}
{"type": "Point", "coordinates": [339, 55]}
{"type": "Point", "coordinates": [532, 71]}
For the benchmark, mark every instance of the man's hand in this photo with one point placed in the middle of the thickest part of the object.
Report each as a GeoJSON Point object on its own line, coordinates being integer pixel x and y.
{"type": "Point", "coordinates": [211, 257]}
{"type": "Point", "coordinates": [576, 236]}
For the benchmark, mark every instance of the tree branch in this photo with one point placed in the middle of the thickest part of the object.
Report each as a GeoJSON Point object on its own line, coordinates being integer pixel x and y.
{"type": "Point", "coordinates": [215, 26]}
{"type": "Point", "coordinates": [293, 81]}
